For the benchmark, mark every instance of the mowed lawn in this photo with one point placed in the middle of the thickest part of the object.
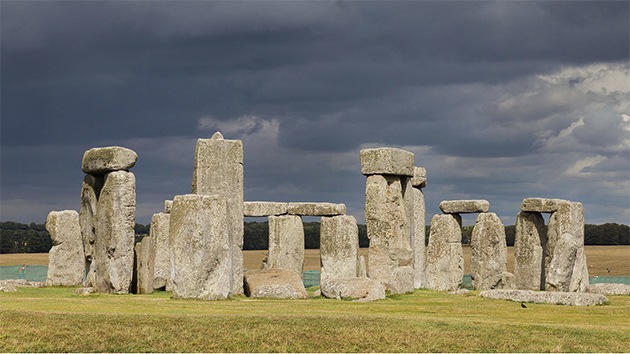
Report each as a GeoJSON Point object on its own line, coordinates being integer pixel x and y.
{"type": "Point", "coordinates": [601, 259]}
{"type": "Point", "coordinates": [58, 320]}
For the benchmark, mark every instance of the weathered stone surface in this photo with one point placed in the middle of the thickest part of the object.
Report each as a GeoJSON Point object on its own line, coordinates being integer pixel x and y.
{"type": "Point", "coordinates": [418, 239]}
{"type": "Point", "coordinates": [358, 289]}
{"type": "Point", "coordinates": [565, 262]}
{"type": "Point", "coordinates": [316, 209]}
{"type": "Point", "coordinates": [168, 205]}
{"type": "Point", "coordinates": [529, 244]}
{"type": "Point", "coordinates": [445, 258]}
{"type": "Point", "coordinates": [19, 283]}
{"type": "Point", "coordinates": [218, 170]}
{"type": "Point", "coordinates": [401, 281]}
{"type": "Point", "coordinates": [546, 297]}
{"type": "Point", "coordinates": [90, 192]}
{"type": "Point", "coordinates": [609, 289]}
{"type": "Point", "coordinates": [85, 291]}
{"type": "Point", "coordinates": [362, 267]}
{"type": "Point", "coordinates": [541, 205]}
{"type": "Point", "coordinates": [66, 260]}
{"type": "Point", "coordinates": [159, 233]}
{"type": "Point", "coordinates": [274, 283]}
{"type": "Point", "coordinates": [265, 208]}
{"type": "Point", "coordinates": [464, 206]}
{"type": "Point", "coordinates": [145, 255]}
{"type": "Point", "coordinates": [339, 247]}
{"type": "Point", "coordinates": [419, 179]}
{"type": "Point", "coordinates": [107, 159]}
{"type": "Point", "coordinates": [200, 247]}
{"type": "Point", "coordinates": [115, 221]}
{"type": "Point", "coordinates": [388, 227]}
{"type": "Point", "coordinates": [488, 259]}
{"type": "Point", "coordinates": [286, 243]}
{"type": "Point", "coordinates": [387, 161]}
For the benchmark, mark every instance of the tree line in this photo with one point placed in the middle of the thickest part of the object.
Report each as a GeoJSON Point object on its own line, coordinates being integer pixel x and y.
{"type": "Point", "coordinates": [33, 238]}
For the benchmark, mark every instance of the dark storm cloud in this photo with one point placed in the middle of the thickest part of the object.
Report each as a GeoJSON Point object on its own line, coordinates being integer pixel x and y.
{"type": "Point", "coordinates": [318, 80]}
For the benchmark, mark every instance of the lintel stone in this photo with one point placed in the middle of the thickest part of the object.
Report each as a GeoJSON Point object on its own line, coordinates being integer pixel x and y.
{"type": "Point", "coordinates": [107, 159]}
{"type": "Point", "coordinates": [387, 161]}
{"type": "Point", "coordinates": [265, 208]}
{"type": "Point", "coordinates": [542, 205]}
{"type": "Point", "coordinates": [317, 209]}
{"type": "Point", "coordinates": [464, 206]}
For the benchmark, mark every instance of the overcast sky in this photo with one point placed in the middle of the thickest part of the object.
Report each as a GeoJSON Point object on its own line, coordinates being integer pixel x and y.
{"type": "Point", "coordinates": [498, 100]}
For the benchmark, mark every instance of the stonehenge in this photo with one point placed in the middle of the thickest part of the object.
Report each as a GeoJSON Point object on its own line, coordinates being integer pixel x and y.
{"type": "Point", "coordinates": [194, 247]}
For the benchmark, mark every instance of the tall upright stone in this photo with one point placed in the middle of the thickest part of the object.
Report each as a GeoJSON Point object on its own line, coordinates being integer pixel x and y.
{"type": "Point", "coordinates": [66, 260]}
{"type": "Point", "coordinates": [114, 237]}
{"type": "Point", "coordinates": [145, 265]}
{"type": "Point", "coordinates": [488, 261]}
{"type": "Point", "coordinates": [218, 170]}
{"type": "Point", "coordinates": [286, 243]}
{"type": "Point", "coordinates": [200, 247]}
{"type": "Point", "coordinates": [339, 247]}
{"type": "Point", "coordinates": [90, 192]}
{"type": "Point", "coordinates": [159, 232]}
{"type": "Point", "coordinates": [529, 245]}
{"type": "Point", "coordinates": [419, 181]}
{"type": "Point", "coordinates": [445, 256]}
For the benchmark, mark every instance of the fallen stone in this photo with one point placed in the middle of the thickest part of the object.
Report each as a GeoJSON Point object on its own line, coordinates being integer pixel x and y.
{"type": "Point", "coordinates": [168, 205]}
{"type": "Point", "coordinates": [90, 191]}
{"type": "Point", "coordinates": [218, 170]}
{"type": "Point", "coordinates": [159, 232]}
{"type": "Point", "coordinates": [546, 297]}
{"type": "Point", "coordinates": [387, 161]}
{"type": "Point", "coordinates": [445, 256]}
{"type": "Point", "coordinates": [401, 281]}
{"type": "Point", "coordinates": [460, 292]}
{"type": "Point", "coordinates": [66, 258]}
{"type": "Point", "coordinates": [339, 247]}
{"type": "Point", "coordinates": [84, 291]}
{"type": "Point", "coordinates": [11, 285]}
{"type": "Point", "coordinates": [358, 289]}
{"type": "Point", "coordinates": [115, 231]}
{"type": "Point", "coordinates": [286, 243]}
{"type": "Point", "coordinates": [201, 263]}
{"type": "Point", "coordinates": [145, 256]}
{"type": "Point", "coordinates": [419, 179]}
{"type": "Point", "coordinates": [529, 244]}
{"type": "Point", "coordinates": [274, 283]}
{"type": "Point", "coordinates": [108, 159]}
{"type": "Point", "coordinates": [609, 289]}
{"type": "Point", "coordinates": [317, 293]}
{"type": "Point", "coordinates": [316, 209]}
{"type": "Point", "coordinates": [464, 206]}
{"type": "Point", "coordinates": [541, 205]}
{"type": "Point", "coordinates": [488, 260]}
{"type": "Point", "coordinates": [265, 209]}
{"type": "Point", "coordinates": [8, 288]}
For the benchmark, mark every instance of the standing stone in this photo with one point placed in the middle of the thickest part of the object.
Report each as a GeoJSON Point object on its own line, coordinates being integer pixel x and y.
{"type": "Point", "coordinates": [66, 260]}
{"type": "Point", "coordinates": [168, 205]}
{"type": "Point", "coordinates": [108, 159]}
{"type": "Point", "coordinates": [159, 232]}
{"type": "Point", "coordinates": [488, 252]}
{"type": "Point", "coordinates": [388, 226]}
{"type": "Point", "coordinates": [339, 247]}
{"type": "Point", "coordinates": [219, 171]}
{"type": "Point", "coordinates": [201, 265]}
{"type": "Point", "coordinates": [529, 244]}
{"type": "Point", "coordinates": [566, 268]}
{"type": "Point", "coordinates": [90, 191]}
{"type": "Point", "coordinates": [418, 239]}
{"type": "Point", "coordinates": [286, 243]}
{"type": "Point", "coordinates": [445, 256]}
{"type": "Point", "coordinates": [144, 265]}
{"type": "Point", "coordinates": [114, 241]}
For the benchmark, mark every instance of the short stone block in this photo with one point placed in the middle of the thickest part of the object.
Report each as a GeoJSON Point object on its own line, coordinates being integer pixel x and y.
{"type": "Point", "coordinates": [275, 283]}
{"type": "Point", "coordinates": [168, 205]}
{"type": "Point", "coordinates": [254, 209]}
{"type": "Point", "coordinates": [387, 161]}
{"type": "Point", "coordinates": [419, 179]}
{"type": "Point", "coordinates": [145, 255]}
{"type": "Point", "coordinates": [464, 206]}
{"type": "Point", "coordinates": [66, 260]}
{"type": "Point", "coordinates": [107, 159]}
{"type": "Point", "coordinates": [286, 243]}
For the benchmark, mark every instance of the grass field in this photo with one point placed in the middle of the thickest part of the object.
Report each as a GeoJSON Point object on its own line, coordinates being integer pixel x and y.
{"type": "Point", "coordinates": [600, 259]}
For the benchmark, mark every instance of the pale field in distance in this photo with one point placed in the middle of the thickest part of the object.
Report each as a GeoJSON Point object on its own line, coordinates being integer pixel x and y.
{"type": "Point", "coordinates": [600, 259]}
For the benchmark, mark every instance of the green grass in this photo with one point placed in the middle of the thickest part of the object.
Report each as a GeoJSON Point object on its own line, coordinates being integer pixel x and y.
{"type": "Point", "coordinates": [57, 320]}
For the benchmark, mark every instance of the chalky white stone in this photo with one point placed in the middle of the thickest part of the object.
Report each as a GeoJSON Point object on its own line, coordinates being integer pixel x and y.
{"type": "Point", "coordinates": [286, 243]}
{"type": "Point", "coordinates": [159, 233]}
{"type": "Point", "coordinates": [107, 159]}
{"type": "Point", "coordinates": [541, 205]}
{"type": "Point", "coordinates": [464, 206]}
{"type": "Point", "coordinates": [274, 283]}
{"type": "Point", "coordinates": [445, 256]}
{"type": "Point", "coordinates": [316, 209]}
{"type": "Point", "coordinates": [546, 297]}
{"type": "Point", "coordinates": [114, 238]}
{"type": "Point", "coordinates": [339, 247]}
{"type": "Point", "coordinates": [66, 260]}
{"type": "Point", "coordinates": [218, 170]}
{"type": "Point", "coordinates": [357, 289]}
{"type": "Point", "coordinates": [529, 244]}
{"type": "Point", "coordinates": [387, 161]}
{"type": "Point", "coordinates": [257, 209]}
{"type": "Point", "coordinates": [201, 263]}
{"type": "Point", "coordinates": [488, 252]}
{"type": "Point", "coordinates": [145, 256]}
{"type": "Point", "coordinates": [419, 179]}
